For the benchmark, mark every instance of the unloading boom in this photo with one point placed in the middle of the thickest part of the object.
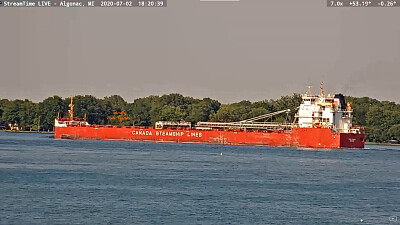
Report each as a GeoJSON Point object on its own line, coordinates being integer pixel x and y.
{"type": "Point", "coordinates": [243, 125]}
{"type": "Point", "coordinates": [249, 123]}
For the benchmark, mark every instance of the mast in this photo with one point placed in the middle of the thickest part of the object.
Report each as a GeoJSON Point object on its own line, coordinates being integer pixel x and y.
{"type": "Point", "coordinates": [321, 92]}
{"type": "Point", "coordinates": [71, 111]}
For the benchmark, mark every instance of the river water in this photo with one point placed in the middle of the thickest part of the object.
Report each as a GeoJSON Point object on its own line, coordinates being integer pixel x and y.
{"type": "Point", "coordinates": [47, 181]}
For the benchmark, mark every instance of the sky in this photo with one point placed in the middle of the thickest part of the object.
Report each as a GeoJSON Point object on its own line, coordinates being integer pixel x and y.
{"type": "Point", "coordinates": [229, 51]}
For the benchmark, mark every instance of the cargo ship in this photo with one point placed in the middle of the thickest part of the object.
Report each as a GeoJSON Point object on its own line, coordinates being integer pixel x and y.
{"type": "Point", "coordinates": [321, 121]}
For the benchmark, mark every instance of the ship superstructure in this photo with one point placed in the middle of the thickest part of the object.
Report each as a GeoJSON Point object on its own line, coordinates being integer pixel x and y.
{"type": "Point", "coordinates": [320, 111]}
{"type": "Point", "coordinates": [71, 120]}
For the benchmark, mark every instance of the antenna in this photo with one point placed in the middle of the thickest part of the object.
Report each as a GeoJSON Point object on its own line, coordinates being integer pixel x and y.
{"type": "Point", "coordinates": [321, 93]}
{"type": "Point", "coordinates": [308, 91]}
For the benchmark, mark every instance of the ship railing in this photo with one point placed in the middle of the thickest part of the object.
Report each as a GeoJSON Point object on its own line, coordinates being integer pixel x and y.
{"type": "Point", "coordinates": [241, 125]}
{"type": "Point", "coordinates": [350, 131]}
{"type": "Point", "coordinates": [74, 123]}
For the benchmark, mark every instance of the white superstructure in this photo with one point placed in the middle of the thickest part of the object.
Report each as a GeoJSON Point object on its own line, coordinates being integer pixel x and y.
{"type": "Point", "coordinates": [58, 122]}
{"type": "Point", "coordinates": [326, 111]}
{"type": "Point", "coordinates": [71, 121]}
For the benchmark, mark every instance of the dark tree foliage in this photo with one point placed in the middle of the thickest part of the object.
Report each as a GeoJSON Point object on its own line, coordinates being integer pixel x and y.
{"type": "Point", "coordinates": [202, 110]}
{"type": "Point", "coordinates": [3, 104]}
{"type": "Point", "coordinates": [20, 112]}
{"type": "Point", "coordinates": [142, 110]}
{"type": "Point", "coordinates": [91, 106]}
{"type": "Point", "coordinates": [394, 132]}
{"type": "Point", "coordinates": [49, 109]}
{"type": "Point", "coordinates": [117, 110]}
{"type": "Point", "coordinates": [381, 119]}
{"type": "Point", "coordinates": [360, 108]}
{"type": "Point", "coordinates": [232, 112]}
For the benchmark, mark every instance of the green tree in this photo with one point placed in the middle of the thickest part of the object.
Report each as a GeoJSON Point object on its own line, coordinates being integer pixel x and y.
{"type": "Point", "coordinates": [143, 110]}
{"type": "Point", "coordinates": [12, 112]}
{"type": "Point", "coordinates": [172, 113]}
{"type": "Point", "coordinates": [3, 104]}
{"type": "Point", "coordinates": [233, 112]}
{"type": "Point", "coordinates": [360, 108]}
{"type": "Point", "coordinates": [394, 132]}
{"type": "Point", "coordinates": [20, 112]}
{"type": "Point", "coordinates": [115, 106]}
{"type": "Point", "coordinates": [49, 109]}
{"type": "Point", "coordinates": [92, 107]}
{"type": "Point", "coordinates": [202, 110]}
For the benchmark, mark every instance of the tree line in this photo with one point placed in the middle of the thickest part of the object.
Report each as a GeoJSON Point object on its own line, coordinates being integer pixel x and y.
{"type": "Point", "coordinates": [381, 119]}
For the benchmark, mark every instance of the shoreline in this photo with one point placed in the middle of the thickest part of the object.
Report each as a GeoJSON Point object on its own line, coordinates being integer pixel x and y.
{"type": "Point", "coordinates": [378, 143]}
{"type": "Point", "coordinates": [39, 132]}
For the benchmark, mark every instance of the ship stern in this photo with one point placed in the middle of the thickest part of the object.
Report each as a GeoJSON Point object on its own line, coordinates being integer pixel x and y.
{"type": "Point", "coordinates": [351, 140]}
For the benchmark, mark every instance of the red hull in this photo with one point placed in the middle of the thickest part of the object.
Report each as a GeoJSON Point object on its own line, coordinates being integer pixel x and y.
{"type": "Point", "coordinates": [297, 137]}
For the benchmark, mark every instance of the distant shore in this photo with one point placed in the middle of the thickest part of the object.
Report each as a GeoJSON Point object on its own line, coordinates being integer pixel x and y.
{"type": "Point", "coordinates": [380, 143]}
{"type": "Point", "coordinates": [23, 131]}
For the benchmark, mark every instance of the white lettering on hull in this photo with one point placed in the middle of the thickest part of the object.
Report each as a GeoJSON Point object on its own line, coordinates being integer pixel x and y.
{"type": "Point", "coordinates": [142, 132]}
{"type": "Point", "coordinates": [195, 134]}
{"type": "Point", "coordinates": [167, 133]}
